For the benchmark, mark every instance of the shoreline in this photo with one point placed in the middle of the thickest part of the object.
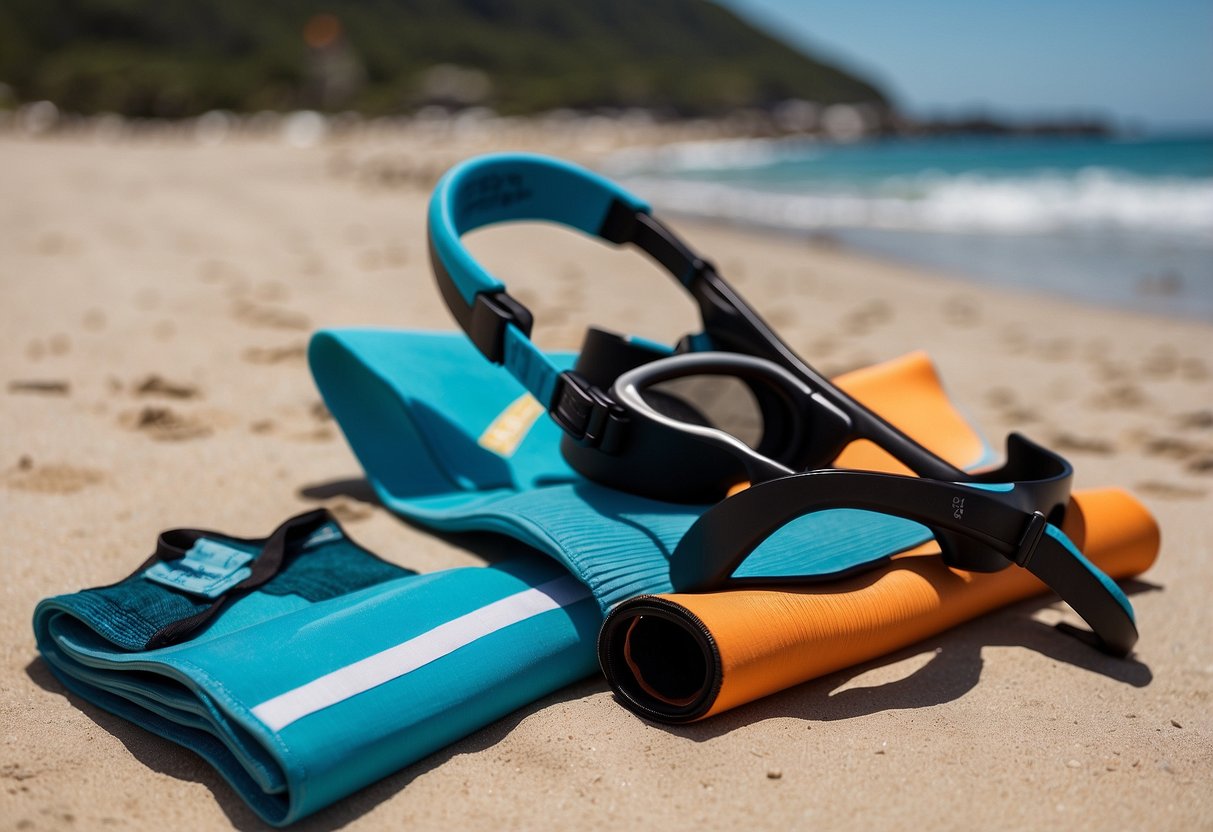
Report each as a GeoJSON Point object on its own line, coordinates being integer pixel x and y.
{"type": "Point", "coordinates": [156, 300]}
{"type": "Point", "coordinates": [842, 239]}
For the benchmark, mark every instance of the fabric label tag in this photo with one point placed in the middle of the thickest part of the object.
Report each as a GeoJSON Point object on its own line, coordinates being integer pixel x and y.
{"type": "Point", "coordinates": [511, 426]}
{"type": "Point", "coordinates": [208, 569]}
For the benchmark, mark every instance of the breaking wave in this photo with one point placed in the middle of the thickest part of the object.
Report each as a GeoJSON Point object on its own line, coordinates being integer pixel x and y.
{"type": "Point", "coordinates": [1087, 200]}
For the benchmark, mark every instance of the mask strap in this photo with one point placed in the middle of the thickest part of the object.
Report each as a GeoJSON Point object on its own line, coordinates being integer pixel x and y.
{"type": "Point", "coordinates": [728, 532]}
{"type": "Point", "coordinates": [515, 187]}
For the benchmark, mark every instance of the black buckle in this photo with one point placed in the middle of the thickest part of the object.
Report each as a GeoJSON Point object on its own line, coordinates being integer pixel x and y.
{"type": "Point", "coordinates": [586, 413]}
{"type": "Point", "coordinates": [491, 313]}
{"type": "Point", "coordinates": [1029, 540]}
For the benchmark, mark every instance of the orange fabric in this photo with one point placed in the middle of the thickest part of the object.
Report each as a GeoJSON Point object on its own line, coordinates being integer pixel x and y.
{"type": "Point", "coordinates": [907, 392]}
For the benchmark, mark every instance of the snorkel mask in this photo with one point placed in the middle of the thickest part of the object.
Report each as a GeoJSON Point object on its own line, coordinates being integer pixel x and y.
{"type": "Point", "coordinates": [625, 429]}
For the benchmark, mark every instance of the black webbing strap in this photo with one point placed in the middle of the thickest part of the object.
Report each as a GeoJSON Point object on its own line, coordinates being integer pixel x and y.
{"type": "Point", "coordinates": [175, 543]}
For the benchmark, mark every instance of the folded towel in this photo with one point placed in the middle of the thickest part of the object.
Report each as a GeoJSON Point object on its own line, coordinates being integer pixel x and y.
{"type": "Point", "coordinates": [336, 671]}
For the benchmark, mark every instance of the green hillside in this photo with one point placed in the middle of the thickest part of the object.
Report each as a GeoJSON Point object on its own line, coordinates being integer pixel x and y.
{"type": "Point", "coordinates": [182, 57]}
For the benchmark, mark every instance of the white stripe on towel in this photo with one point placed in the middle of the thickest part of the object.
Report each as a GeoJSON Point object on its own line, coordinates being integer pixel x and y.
{"type": "Point", "coordinates": [382, 667]}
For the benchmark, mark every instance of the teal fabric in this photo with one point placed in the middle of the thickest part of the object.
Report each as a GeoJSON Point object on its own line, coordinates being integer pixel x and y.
{"type": "Point", "coordinates": [210, 568]}
{"type": "Point", "coordinates": [331, 607]}
{"type": "Point", "coordinates": [534, 370]}
{"type": "Point", "coordinates": [1108, 584]}
{"type": "Point", "coordinates": [413, 405]}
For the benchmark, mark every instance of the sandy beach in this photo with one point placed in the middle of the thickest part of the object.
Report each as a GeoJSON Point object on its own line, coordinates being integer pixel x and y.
{"type": "Point", "coordinates": [156, 297]}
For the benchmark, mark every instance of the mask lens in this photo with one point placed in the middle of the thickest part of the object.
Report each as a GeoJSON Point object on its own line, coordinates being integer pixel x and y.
{"type": "Point", "coordinates": [719, 401]}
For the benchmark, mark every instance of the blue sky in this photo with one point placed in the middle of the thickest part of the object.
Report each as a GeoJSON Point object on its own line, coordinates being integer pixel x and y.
{"type": "Point", "coordinates": [1147, 63]}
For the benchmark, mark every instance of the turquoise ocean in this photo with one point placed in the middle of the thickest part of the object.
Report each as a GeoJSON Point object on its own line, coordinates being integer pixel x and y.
{"type": "Point", "coordinates": [1118, 221]}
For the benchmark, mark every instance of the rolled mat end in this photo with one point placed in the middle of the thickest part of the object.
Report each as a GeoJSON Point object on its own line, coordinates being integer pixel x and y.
{"type": "Point", "coordinates": [661, 659]}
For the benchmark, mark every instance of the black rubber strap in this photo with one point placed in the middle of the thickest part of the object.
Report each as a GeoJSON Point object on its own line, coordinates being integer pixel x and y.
{"type": "Point", "coordinates": [175, 543]}
{"type": "Point", "coordinates": [1111, 623]}
{"type": "Point", "coordinates": [728, 532]}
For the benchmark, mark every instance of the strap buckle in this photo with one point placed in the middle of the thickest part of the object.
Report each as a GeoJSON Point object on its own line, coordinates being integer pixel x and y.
{"type": "Point", "coordinates": [491, 313]}
{"type": "Point", "coordinates": [586, 413]}
{"type": "Point", "coordinates": [1029, 540]}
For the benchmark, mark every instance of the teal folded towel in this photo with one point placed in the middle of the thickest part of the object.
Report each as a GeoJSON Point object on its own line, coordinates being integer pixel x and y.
{"type": "Point", "coordinates": [337, 671]}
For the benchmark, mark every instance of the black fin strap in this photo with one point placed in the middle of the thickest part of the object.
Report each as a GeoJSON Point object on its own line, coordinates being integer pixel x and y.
{"type": "Point", "coordinates": [173, 545]}
{"type": "Point", "coordinates": [727, 533]}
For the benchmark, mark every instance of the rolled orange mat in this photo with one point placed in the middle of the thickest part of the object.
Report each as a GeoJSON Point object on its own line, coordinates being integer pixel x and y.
{"type": "Point", "coordinates": [681, 657]}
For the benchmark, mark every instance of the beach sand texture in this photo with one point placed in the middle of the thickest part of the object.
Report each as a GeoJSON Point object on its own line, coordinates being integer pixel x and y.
{"type": "Point", "coordinates": [156, 297]}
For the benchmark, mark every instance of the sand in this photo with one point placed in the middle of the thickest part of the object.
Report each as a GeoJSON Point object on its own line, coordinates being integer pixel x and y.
{"type": "Point", "coordinates": [156, 296]}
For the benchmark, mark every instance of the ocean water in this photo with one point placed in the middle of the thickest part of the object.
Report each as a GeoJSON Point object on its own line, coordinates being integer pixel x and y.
{"type": "Point", "coordinates": [1125, 222]}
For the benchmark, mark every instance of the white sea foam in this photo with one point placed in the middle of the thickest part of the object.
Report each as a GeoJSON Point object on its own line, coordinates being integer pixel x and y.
{"type": "Point", "coordinates": [707, 155]}
{"type": "Point", "coordinates": [1089, 200]}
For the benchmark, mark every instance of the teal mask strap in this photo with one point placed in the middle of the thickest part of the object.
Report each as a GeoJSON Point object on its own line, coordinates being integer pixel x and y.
{"type": "Point", "coordinates": [510, 187]}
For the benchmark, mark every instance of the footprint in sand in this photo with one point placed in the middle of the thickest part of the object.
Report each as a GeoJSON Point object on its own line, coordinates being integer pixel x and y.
{"type": "Point", "coordinates": [1021, 415]}
{"type": "Point", "coordinates": [321, 433]}
{"type": "Point", "coordinates": [1121, 397]}
{"type": "Point", "coordinates": [156, 385]}
{"type": "Point", "coordinates": [1161, 362]}
{"type": "Point", "coordinates": [1196, 420]}
{"type": "Point", "coordinates": [1169, 491]}
{"type": "Point", "coordinates": [1081, 444]}
{"type": "Point", "coordinates": [1171, 447]}
{"type": "Point", "coordinates": [166, 425]}
{"type": "Point", "coordinates": [42, 387]}
{"type": "Point", "coordinates": [1201, 465]}
{"type": "Point", "coordinates": [1112, 371]}
{"type": "Point", "coordinates": [51, 478]}
{"type": "Point", "coordinates": [275, 355]}
{"type": "Point", "coordinates": [1001, 397]}
{"type": "Point", "coordinates": [269, 317]}
{"type": "Point", "coordinates": [1004, 400]}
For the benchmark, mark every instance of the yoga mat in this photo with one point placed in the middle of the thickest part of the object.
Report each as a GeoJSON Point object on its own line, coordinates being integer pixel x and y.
{"type": "Point", "coordinates": [682, 657]}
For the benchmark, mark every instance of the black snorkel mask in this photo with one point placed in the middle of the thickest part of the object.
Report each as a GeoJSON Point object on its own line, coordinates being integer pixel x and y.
{"type": "Point", "coordinates": [622, 429]}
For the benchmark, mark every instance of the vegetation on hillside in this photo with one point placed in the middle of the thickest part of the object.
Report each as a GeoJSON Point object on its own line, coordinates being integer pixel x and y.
{"type": "Point", "coordinates": [183, 57]}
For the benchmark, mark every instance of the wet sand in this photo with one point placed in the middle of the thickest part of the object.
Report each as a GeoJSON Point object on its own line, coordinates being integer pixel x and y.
{"type": "Point", "coordinates": [156, 298]}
